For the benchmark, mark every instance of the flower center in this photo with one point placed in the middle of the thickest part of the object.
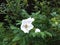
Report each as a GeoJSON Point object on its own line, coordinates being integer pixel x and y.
{"type": "Point", "coordinates": [26, 26]}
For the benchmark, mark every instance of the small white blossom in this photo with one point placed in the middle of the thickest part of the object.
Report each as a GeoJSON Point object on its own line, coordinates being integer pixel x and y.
{"type": "Point", "coordinates": [37, 30]}
{"type": "Point", "coordinates": [26, 25]}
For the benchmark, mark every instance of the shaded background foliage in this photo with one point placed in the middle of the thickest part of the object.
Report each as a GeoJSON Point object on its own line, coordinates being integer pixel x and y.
{"type": "Point", "coordinates": [46, 13]}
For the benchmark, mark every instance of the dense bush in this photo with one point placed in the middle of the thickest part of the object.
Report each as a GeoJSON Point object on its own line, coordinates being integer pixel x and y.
{"type": "Point", "coordinates": [47, 18]}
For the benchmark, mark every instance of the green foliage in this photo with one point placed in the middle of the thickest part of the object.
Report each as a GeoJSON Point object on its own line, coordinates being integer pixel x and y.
{"type": "Point", "coordinates": [47, 19]}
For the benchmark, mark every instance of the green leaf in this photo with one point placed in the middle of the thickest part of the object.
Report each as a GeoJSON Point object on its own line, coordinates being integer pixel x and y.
{"type": "Point", "coordinates": [1, 24]}
{"type": "Point", "coordinates": [13, 27]}
{"type": "Point", "coordinates": [42, 34]}
{"type": "Point", "coordinates": [16, 38]}
{"type": "Point", "coordinates": [49, 34]}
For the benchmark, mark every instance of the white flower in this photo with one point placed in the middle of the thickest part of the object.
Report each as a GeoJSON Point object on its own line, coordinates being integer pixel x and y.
{"type": "Point", "coordinates": [37, 30]}
{"type": "Point", "coordinates": [26, 25]}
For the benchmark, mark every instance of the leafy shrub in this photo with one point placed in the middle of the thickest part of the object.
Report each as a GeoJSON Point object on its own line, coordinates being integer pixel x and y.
{"type": "Point", "coordinates": [47, 18]}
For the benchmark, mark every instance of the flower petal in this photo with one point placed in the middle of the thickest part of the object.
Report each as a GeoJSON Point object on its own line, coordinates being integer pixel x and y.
{"type": "Point", "coordinates": [29, 20]}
